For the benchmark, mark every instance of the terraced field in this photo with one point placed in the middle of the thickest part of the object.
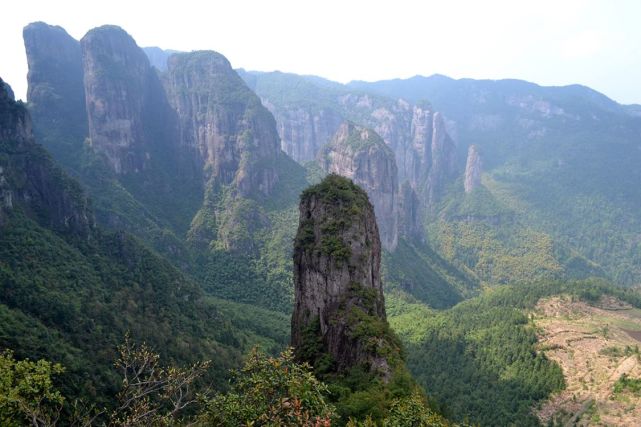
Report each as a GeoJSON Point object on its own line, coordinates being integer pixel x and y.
{"type": "Point", "coordinates": [597, 347]}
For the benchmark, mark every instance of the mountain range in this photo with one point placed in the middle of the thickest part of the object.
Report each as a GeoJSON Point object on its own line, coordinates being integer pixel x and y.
{"type": "Point", "coordinates": [157, 193]}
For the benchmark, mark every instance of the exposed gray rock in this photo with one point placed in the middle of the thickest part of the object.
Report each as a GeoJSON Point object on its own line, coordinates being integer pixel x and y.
{"type": "Point", "coordinates": [29, 179]}
{"type": "Point", "coordinates": [410, 222]}
{"type": "Point", "coordinates": [119, 85]}
{"type": "Point", "coordinates": [56, 90]}
{"type": "Point", "coordinates": [303, 132]}
{"type": "Point", "coordinates": [336, 276]}
{"type": "Point", "coordinates": [361, 154]}
{"type": "Point", "coordinates": [443, 167]}
{"type": "Point", "coordinates": [231, 135]}
{"type": "Point", "coordinates": [473, 169]}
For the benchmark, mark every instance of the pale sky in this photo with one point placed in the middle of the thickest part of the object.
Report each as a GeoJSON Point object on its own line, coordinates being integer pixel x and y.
{"type": "Point", "coordinates": [549, 42]}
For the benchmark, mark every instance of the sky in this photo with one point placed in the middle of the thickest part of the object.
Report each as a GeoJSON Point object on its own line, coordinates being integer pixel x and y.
{"type": "Point", "coordinates": [594, 43]}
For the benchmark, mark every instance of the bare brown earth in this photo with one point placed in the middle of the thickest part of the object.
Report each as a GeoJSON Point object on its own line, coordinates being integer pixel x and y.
{"type": "Point", "coordinates": [594, 345]}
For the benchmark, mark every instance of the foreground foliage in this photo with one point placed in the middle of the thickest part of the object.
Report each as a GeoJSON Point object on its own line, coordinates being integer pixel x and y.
{"type": "Point", "coordinates": [271, 392]}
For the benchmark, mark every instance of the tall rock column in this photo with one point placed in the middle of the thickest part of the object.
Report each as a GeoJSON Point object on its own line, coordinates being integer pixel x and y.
{"type": "Point", "coordinates": [337, 281]}
{"type": "Point", "coordinates": [361, 154]}
{"type": "Point", "coordinates": [443, 168]}
{"type": "Point", "coordinates": [473, 169]}
{"type": "Point", "coordinates": [123, 95]}
{"type": "Point", "coordinates": [410, 223]}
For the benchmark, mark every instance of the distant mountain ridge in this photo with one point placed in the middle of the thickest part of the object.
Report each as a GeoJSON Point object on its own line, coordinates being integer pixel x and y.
{"type": "Point", "coordinates": [556, 161]}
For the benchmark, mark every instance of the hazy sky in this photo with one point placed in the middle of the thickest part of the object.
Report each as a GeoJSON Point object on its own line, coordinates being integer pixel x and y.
{"type": "Point", "coordinates": [595, 43]}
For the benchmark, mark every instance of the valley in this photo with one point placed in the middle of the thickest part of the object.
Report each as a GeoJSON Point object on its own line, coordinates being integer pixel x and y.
{"type": "Point", "coordinates": [271, 248]}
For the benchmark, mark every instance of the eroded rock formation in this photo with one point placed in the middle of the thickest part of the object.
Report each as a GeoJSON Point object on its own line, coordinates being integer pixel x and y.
{"type": "Point", "coordinates": [338, 289]}
{"type": "Point", "coordinates": [122, 94]}
{"type": "Point", "coordinates": [410, 225]}
{"type": "Point", "coordinates": [56, 92]}
{"type": "Point", "coordinates": [304, 132]}
{"type": "Point", "coordinates": [361, 154]}
{"type": "Point", "coordinates": [443, 166]}
{"type": "Point", "coordinates": [30, 181]}
{"type": "Point", "coordinates": [473, 169]}
{"type": "Point", "coordinates": [222, 122]}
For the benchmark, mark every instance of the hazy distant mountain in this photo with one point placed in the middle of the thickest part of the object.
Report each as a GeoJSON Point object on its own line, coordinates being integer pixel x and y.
{"type": "Point", "coordinates": [559, 167]}
{"type": "Point", "coordinates": [158, 57]}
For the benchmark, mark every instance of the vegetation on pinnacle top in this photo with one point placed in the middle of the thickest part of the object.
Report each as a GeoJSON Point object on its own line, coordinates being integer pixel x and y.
{"type": "Point", "coordinates": [339, 324]}
{"type": "Point", "coordinates": [339, 193]}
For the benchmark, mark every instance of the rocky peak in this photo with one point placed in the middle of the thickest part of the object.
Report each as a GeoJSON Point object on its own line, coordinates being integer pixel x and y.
{"type": "Point", "coordinates": [473, 169]}
{"type": "Point", "coordinates": [30, 181]}
{"type": "Point", "coordinates": [120, 88]}
{"type": "Point", "coordinates": [54, 58]}
{"type": "Point", "coordinates": [361, 155]}
{"type": "Point", "coordinates": [56, 92]}
{"type": "Point", "coordinates": [337, 281]}
{"type": "Point", "coordinates": [231, 135]}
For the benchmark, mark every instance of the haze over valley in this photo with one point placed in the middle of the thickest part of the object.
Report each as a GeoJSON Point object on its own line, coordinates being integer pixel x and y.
{"type": "Point", "coordinates": [187, 240]}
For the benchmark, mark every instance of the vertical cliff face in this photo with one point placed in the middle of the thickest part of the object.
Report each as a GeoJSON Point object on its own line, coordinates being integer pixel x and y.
{"type": "Point", "coordinates": [124, 99]}
{"type": "Point", "coordinates": [421, 146]}
{"type": "Point", "coordinates": [360, 154]}
{"type": "Point", "coordinates": [56, 92]}
{"type": "Point", "coordinates": [337, 280]}
{"type": "Point", "coordinates": [303, 131]}
{"type": "Point", "coordinates": [222, 122]}
{"type": "Point", "coordinates": [55, 69]}
{"type": "Point", "coordinates": [443, 167]}
{"type": "Point", "coordinates": [410, 219]}
{"type": "Point", "coordinates": [30, 181]}
{"type": "Point", "coordinates": [473, 169]}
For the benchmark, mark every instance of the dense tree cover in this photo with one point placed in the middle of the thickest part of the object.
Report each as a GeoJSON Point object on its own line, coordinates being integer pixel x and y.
{"type": "Point", "coordinates": [479, 360]}
{"type": "Point", "coordinates": [270, 391]}
{"type": "Point", "coordinates": [266, 391]}
{"type": "Point", "coordinates": [72, 303]}
{"type": "Point", "coordinates": [417, 270]}
{"type": "Point", "coordinates": [490, 232]}
{"type": "Point", "coordinates": [27, 392]}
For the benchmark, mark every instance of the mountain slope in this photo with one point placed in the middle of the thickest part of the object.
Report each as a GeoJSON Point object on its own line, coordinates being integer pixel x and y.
{"type": "Point", "coordinates": [70, 290]}
{"type": "Point", "coordinates": [188, 160]}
